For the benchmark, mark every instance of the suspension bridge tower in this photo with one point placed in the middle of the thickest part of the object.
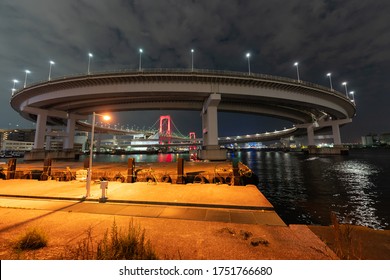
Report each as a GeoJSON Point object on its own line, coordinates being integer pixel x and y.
{"type": "Point", "coordinates": [192, 137]}
{"type": "Point", "coordinates": [165, 132]}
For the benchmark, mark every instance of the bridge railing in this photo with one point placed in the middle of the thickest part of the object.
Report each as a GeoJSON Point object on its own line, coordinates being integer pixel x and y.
{"type": "Point", "coordinates": [228, 73]}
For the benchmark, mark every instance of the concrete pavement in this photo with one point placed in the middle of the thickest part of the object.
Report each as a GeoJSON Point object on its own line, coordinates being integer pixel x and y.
{"type": "Point", "coordinates": [192, 221]}
{"type": "Point", "coordinates": [202, 202]}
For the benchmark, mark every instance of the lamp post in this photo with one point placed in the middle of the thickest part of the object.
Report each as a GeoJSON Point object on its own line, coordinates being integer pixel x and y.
{"type": "Point", "coordinates": [140, 59]}
{"type": "Point", "coordinates": [192, 59]}
{"type": "Point", "coordinates": [296, 65]}
{"type": "Point", "coordinates": [352, 93]}
{"type": "Point", "coordinates": [51, 64]}
{"type": "Point", "coordinates": [248, 55]}
{"type": "Point", "coordinates": [25, 78]}
{"type": "Point", "coordinates": [346, 90]}
{"type": "Point", "coordinates": [89, 62]}
{"type": "Point", "coordinates": [13, 87]}
{"type": "Point", "coordinates": [330, 80]}
{"type": "Point", "coordinates": [89, 174]}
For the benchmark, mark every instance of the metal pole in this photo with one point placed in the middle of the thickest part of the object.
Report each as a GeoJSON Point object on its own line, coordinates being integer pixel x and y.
{"type": "Point", "coordinates": [248, 55]}
{"type": "Point", "coordinates": [192, 60]}
{"type": "Point", "coordinates": [330, 81]}
{"type": "Point", "coordinates": [13, 88]}
{"type": "Point", "coordinates": [89, 174]}
{"type": "Point", "coordinates": [346, 90]}
{"type": "Point", "coordinates": [297, 72]}
{"type": "Point", "coordinates": [140, 60]}
{"type": "Point", "coordinates": [51, 64]}
{"type": "Point", "coordinates": [25, 78]}
{"type": "Point", "coordinates": [89, 62]}
{"type": "Point", "coordinates": [249, 66]}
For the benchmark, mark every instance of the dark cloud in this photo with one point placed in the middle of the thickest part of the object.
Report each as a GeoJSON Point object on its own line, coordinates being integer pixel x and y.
{"type": "Point", "coordinates": [349, 38]}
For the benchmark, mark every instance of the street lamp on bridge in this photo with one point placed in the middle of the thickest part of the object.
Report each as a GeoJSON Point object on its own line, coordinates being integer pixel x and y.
{"type": "Point", "coordinates": [89, 62]}
{"type": "Point", "coordinates": [296, 65]}
{"type": "Point", "coordinates": [330, 80]}
{"type": "Point", "coordinates": [13, 87]}
{"type": "Point", "coordinates": [51, 64]}
{"type": "Point", "coordinates": [25, 78]}
{"type": "Point", "coordinates": [248, 55]}
{"type": "Point", "coordinates": [89, 174]}
{"type": "Point", "coordinates": [352, 93]}
{"type": "Point", "coordinates": [192, 59]}
{"type": "Point", "coordinates": [140, 59]}
{"type": "Point", "coordinates": [346, 90]}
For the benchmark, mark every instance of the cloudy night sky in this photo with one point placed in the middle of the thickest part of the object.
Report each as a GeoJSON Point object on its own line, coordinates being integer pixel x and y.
{"type": "Point", "coordinates": [350, 39]}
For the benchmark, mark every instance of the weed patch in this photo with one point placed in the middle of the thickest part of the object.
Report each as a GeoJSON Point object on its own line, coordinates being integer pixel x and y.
{"type": "Point", "coordinates": [116, 244]}
{"type": "Point", "coordinates": [33, 239]}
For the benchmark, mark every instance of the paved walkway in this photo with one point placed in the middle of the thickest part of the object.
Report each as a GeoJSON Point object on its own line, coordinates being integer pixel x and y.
{"type": "Point", "coordinates": [202, 202]}
{"type": "Point", "coordinates": [192, 221]}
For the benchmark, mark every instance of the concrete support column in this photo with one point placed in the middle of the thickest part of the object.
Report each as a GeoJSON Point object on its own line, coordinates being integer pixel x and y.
{"type": "Point", "coordinates": [310, 135]}
{"type": "Point", "coordinates": [210, 149]}
{"type": "Point", "coordinates": [39, 141]}
{"type": "Point", "coordinates": [336, 134]}
{"type": "Point", "coordinates": [210, 120]}
{"type": "Point", "coordinates": [70, 131]}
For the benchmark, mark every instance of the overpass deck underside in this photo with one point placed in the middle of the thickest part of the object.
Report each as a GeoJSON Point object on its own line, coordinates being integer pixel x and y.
{"type": "Point", "coordinates": [297, 101]}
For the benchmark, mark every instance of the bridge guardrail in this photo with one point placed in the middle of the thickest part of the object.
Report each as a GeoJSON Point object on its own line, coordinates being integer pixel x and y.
{"type": "Point", "coordinates": [189, 71]}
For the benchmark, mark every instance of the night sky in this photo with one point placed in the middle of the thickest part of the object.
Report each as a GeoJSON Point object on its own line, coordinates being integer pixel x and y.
{"type": "Point", "coordinates": [349, 38]}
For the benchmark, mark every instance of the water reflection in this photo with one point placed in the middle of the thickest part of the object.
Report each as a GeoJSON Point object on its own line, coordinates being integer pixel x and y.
{"type": "Point", "coordinates": [359, 191]}
{"type": "Point", "coordinates": [307, 189]}
{"type": "Point", "coordinates": [171, 157]}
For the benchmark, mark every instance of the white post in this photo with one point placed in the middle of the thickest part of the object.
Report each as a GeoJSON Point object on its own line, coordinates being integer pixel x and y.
{"type": "Point", "coordinates": [89, 174]}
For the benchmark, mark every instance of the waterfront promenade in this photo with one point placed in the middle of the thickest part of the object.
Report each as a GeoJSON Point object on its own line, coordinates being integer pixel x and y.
{"type": "Point", "coordinates": [191, 221]}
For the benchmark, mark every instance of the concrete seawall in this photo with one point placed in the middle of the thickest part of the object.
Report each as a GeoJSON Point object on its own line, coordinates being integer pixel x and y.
{"type": "Point", "coordinates": [201, 220]}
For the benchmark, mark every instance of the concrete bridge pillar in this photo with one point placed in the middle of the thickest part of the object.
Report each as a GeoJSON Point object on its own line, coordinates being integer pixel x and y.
{"type": "Point", "coordinates": [210, 120]}
{"type": "Point", "coordinates": [210, 149]}
{"type": "Point", "coordinates": [310, 135]}
{"type": "Point", "coordinates": [40, 132]}
{"type": "Point", "coordinates": [336, 134]}
{"type": "Point", "coordinates": [70, 131]}
{"type": "Point", "coordinates": [335, 124]}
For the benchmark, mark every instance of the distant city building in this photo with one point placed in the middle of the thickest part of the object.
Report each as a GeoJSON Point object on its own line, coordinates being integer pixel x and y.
{"type": "Point", "coordinates": [16, 139]}
{"type": "Point", "coordinates": [9, 145]}
{"type": "Point", "coordinates": [370, 140]}
{"type": "Point", "coordinates": [385, 138]}
{"type": "Point", "coordinates": [23, 140]}
{"type": "Point", "coordinates": [24, 135]}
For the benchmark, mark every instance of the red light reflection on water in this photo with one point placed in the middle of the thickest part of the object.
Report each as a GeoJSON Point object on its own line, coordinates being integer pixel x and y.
{"type": "Point", "coordinates": [165, 158]}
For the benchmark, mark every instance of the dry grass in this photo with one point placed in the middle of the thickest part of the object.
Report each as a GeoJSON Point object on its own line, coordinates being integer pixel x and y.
{"type": "Point", "coordinates": [115, 245]}
{"type": "Point", "coordinates": [352, 242]}
{"type": "Point", "coordinates": [32, 239]}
